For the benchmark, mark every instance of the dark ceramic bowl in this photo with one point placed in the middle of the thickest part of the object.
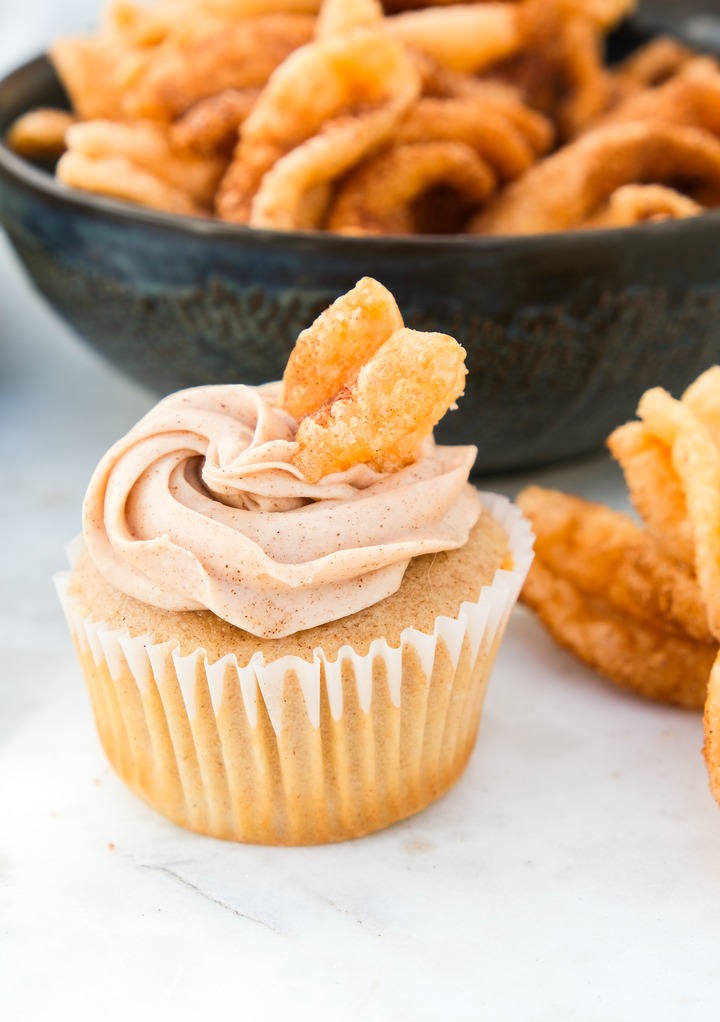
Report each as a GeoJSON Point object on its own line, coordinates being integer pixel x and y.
{"type": "Point", "coordinates": [563, 332]}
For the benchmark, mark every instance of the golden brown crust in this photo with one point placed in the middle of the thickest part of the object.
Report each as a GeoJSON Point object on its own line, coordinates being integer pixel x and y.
{"type": "Point", "coordinates": [477, 122]}
{"type": "Point", "coordinates": [654, 488]}
{"type": "Point", "coordinates": [39, 134]}
{"type": "Point", "coordinates": [382, 416]}
{"type": "Point", "coordinates": [637, 656]}
{"type": "Point", "coordinates": [655, 62]}
{"type": "Point", "coordinates": [691, 98]}
{"type": "Point", "coordinates": [638, 204]}
{"type": "Point", "coordinates": [606, 590]}
{"type": "Point", "coordinates": [385, 195]}
{"type": "Point", "coordinates": [211, 125]}
{"type": "Point", "coordinates": [606, 554]}
{"type": "Point", "coordinates": [138, 161]}
{"type": "Point", "coordinates": [329, 105]}
{"type": "Point", "coordinates": [567, 189]}
{"type": "Point", "coordinates": [341, 340]}
{"type": "Point", "coordinates": [241, 56]}
{"type": "Point", "coordinates": [692, 439]}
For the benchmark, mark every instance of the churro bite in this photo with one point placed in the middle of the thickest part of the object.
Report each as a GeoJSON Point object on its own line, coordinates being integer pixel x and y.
{"type": "Point", "coordinates": [380, 396]}
{"type": "Point", "coordinates": [287, 599]}
{"type": "Point", "coordinates": [639, 600]}
{"type": "Point", "coordinates": [607, 592]}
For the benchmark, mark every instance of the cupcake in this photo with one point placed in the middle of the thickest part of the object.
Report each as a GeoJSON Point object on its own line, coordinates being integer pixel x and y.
{"type": "Point", "coordinates": [286, 600]}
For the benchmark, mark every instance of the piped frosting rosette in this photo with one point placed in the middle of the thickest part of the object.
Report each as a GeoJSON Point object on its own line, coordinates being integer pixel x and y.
{"type": "Point", "coordinates": [200, 506]}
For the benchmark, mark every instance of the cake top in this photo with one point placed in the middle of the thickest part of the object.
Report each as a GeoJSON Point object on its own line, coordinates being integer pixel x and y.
{"type": "Point", "coordinates": [286, 506]}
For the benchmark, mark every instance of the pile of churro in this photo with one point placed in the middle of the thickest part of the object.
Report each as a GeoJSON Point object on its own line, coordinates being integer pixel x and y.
{"type": "Point", "coordinates": [349, 116]}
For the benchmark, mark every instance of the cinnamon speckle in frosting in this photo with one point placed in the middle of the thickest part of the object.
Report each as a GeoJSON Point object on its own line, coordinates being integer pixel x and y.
{"type": "Point", "coordinates": [199, 484]}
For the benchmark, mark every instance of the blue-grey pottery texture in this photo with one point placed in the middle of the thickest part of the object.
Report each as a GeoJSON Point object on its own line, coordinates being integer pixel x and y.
{"type": "Point", "coordinates": [563, 332]}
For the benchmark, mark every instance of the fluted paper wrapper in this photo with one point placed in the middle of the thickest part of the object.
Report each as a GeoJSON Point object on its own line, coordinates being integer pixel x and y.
{"type": "Point", "coordinates": [298, 751]}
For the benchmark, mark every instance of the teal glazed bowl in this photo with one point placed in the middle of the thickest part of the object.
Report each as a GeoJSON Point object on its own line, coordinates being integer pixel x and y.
{"type": "Point", "coordinates": [563, 332]}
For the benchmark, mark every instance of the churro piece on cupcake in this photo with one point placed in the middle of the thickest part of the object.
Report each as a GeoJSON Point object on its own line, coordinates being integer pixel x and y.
{"type": "Point", "coordinates": [367, 389]}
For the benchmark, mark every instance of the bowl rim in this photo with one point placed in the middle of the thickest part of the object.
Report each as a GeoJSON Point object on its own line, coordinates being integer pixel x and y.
{"type": "Point", "coordinates": [39, 180]}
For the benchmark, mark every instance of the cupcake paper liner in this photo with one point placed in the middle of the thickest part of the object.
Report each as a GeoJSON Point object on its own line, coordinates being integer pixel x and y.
{"type": "Point", "coordinates": [299, 751]}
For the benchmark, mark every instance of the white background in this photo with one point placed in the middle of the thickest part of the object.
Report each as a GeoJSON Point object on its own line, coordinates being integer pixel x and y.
{"type": "Point", "coordinates": [572, 874]}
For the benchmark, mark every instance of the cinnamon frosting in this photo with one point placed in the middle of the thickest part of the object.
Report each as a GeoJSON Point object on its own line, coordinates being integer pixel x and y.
{"type": "Point", "coordinates": [199, 506]}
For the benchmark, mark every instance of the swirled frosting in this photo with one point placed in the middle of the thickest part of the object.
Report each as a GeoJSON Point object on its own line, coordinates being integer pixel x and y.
{"type": "Point", "coordinates": [199, 506]}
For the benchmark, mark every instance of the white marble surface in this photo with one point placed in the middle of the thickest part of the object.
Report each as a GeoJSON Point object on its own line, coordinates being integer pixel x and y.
{"type": "Point", "coordinates": [572, 874]}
